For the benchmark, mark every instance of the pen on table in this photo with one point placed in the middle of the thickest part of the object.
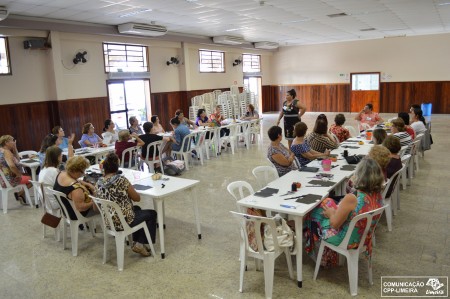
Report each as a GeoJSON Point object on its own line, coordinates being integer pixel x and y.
{"type": "Point", "coordinates": [288, 206]}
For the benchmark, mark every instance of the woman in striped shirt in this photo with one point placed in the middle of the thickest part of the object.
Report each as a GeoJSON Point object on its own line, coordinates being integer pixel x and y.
{"type": "Point", "coordinates": [398, 130]}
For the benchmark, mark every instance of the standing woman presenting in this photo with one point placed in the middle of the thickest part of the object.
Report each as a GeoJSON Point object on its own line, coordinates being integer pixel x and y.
{"type": "Point", "coordinates": [292, 111]}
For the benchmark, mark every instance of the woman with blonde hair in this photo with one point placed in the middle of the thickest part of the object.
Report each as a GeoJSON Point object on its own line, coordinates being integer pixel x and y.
{"type": "Point", "coordinates": [76, 190]}
{"type": "Point", "coordinates": [10, 165]}
{"type": "Point", "coordinates": [382, 156]}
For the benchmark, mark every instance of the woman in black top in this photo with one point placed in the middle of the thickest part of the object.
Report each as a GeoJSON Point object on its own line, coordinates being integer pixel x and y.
{"type": "Point", "coordinates": [292, 111]}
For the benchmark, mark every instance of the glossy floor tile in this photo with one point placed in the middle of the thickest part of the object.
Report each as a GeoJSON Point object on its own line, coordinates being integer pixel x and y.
{"type": "Point", "coordinates": [33, 267]}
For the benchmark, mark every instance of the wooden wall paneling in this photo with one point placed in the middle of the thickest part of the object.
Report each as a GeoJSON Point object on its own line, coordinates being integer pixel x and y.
{"type": "Point", "coordinates": [75, 113]}
{"type": "Point", "coordinates": [164, 104]}
{"type": "Point", "coordinates": [28, 123]}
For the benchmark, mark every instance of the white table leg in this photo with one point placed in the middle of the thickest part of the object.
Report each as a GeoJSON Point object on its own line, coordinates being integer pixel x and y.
{"type": "Point", "coordinates": [197, 214]}
{"type": "Point", "coordinates": [33, 177]}
{"type": "Point", "coordinates": [160, 210]}
{"type": "Point", "coordinates": [299, 234]}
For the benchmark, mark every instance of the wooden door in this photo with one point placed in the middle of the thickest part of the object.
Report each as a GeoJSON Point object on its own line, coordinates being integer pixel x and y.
{"type": "Point", "coordinates": [362, 93]}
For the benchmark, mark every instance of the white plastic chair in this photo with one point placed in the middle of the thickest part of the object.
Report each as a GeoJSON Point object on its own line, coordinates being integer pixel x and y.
{"type": "Point", "coordinates": [414, 161]}
{"type": "Point", "coordinates": [199, 146]}
{"type": "Point", "coordinates": [418, 143]}
{"type": "Point", "coordinates": [73, 223]}
{"type": "Point", "coordinates": [46, 207]}
{"type": "Point", "coordinates": [265, 175]}
{"type": "Point", "coordinates": [27, 154]}
{"type": "Point", "coordinates": [397, 188]}
{"type": "Point", "coordinates": [363, 126]}
{"type": "Point", "coordinates": [243, 131]}
{"type": "Point", "coordinates": [267, 257]}
{"type": "Point", "coordinates": [232, 138]}
{"type": "Point", "coordinates": [352, 255]}
{"type": "Point", "coordinates": [352, 131]}
{"type": "Point", "coordinates": [211, 142]}
{"type": "Point", "coordinates": [255, 130]}
{"type": "Point", "coordinates": [8, 189]}
{"type": "Point", "coordinates": [107, 209]}
{"type": "Point", "coordinates": [151, 158]}
{"type": "Point", "coordinates": [239, 190]}
{"type": "Point", "coordinates": [335, 138]}
{"type": "Point", "coordinates": [81, 144]}
{"type": "Point", "coordinates": [186, 149]}
{"type": "Point", "coordinates": [389, 198]}
{"type": "Point", "coordinates": [404, 177]}
{"type": "Point", "coordinates": [131, 162]}
{"type": "Point", "coordinates": [403, 150]}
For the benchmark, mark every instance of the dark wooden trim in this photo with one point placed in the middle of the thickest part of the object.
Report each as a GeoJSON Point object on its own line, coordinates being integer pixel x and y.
{"type": "Point", "coordinates": [394, 96]}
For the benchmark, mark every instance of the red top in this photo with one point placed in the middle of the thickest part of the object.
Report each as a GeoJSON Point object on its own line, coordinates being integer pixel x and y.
{"type": "Point", "coordinates": [341, 133]}
{"type": "Point", "coordinates": [410, 131]}
{"type": "Point", "coordinates": [123, 145]}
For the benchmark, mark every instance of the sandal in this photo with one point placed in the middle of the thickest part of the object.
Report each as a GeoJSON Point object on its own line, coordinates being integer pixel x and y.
{"type": "Point", "coordinates": [22, 200]}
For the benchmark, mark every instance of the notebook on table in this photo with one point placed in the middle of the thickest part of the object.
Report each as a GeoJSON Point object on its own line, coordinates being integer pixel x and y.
{"type": "Point", "coordinates": [141, 187]}
{"type": "Point", "coordinates": [321, 183]}
{"type": "Point", "coordinates": [309, 169]}
{"type": "Point", "coordinates": [266, 192]}
{"type": "Point", "coordinates": [348, 167]}
{"type": "Point", "coordinates": [309, 198]}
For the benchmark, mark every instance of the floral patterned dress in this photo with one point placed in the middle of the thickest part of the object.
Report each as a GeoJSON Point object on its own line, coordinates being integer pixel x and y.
{"type": "Point", "coordinates": [317, 227]}
{"type": "Point", "coordinates": [10, 176]}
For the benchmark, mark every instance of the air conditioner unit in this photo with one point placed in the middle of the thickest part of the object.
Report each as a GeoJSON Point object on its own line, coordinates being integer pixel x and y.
{"type": "Point", "coordinates": [3, 13]}
{"type": "Point", "coordinates": [266, 45]}
{"type": "Point", "coordinates": [128, 75]}
{"type": "Point", "coordinates": [228, 40]}
{"type": "Point", "coordinates": [142, 29]}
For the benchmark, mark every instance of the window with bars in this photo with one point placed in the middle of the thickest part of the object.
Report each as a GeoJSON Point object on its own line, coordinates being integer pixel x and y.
{"type": "Point", "coordinates": [211, 61]}
{"type": "Point", "coordinates": [5, 67]}
{"type": "Point", "coordinates": [251, 63]}
{"type": "Point", "coordinates": [125, 58]}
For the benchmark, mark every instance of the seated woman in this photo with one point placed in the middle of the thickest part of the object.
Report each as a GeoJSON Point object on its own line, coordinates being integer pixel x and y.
{"type": "Point", "coordinates": [378, 136]}
{"type": "Point", "coordinates": [10, 165]}
{"type": "Point", "coordinates": [62, 140]}
{"type": "Point", "coordinates": [184, 120]}
{"type": "Point", "coordinates": [149, 137]}
{"type": "Point", "coordinates": [278, 154]}
{"type": "Point", "coordinates": [251, 113]}
{"type": "Point", "coordinates": [218, 118]}
{"type": "Point", "coordinates": [202, 119]}
{"type": "Point", "coordinates": [338, 130]}
{"type": "Point", "coordinates": [89, 138]}
{"type": "Point", "coordinates": [51, 140]}
{"type": "Point", "coordinates": [395, 163]}
{"type": "Point", "coordinates": [301, 148]}
{"type": "Point", "coordinates": [330, 222]}
{"type": "Point", "coordinates": [179, 132]}
{"type": "Point", "coordinates": [418, 121]}
{"type": "Point", "coordinates": [320, 140]}
{"type": "Point", "coordinates": [76, 190]}
{"type": "Point", "coordinates": [382, 156]}
{"type": "Point", "coordinates": [398, 131]}
{"type": "Point", "coordinates": [126, 142]}
{"type": "Point", "coordinates": [48, 174]}
{"type": "Point", "coordinates": [48, 141]}
{"type": "Point", "coordinates": [134, 126]}
{"type": "Point", "coordinates": [157, 128]}
{"type": "Point", "coordinates": [115, 187]}
{"type": "Point", "coordinates": [408, 128]}
{"type": "Point", "coordinates": [110, 136]}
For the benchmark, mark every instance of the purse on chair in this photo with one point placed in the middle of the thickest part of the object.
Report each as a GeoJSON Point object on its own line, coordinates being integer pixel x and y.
{"type": "Point", "coordinates": [50, 220]}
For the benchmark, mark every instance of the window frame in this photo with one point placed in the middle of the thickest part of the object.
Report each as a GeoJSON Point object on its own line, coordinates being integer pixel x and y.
{"type": "Point", "coordinates": [145, 58]}
{"type": "Point", "coordinates": [212, 64]}
{"type": "Point", "coordinates": [251, 60]}
{"type": "Point", "coordinates": [8, 57]}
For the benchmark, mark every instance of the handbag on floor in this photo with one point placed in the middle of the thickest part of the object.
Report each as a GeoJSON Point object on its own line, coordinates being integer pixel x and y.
{"type": "Point", "coordinates": [50, 220]}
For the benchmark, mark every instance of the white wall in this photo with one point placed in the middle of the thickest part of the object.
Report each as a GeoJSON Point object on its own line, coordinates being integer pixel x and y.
{"type": "Point", "coordinates": [43, 75]}
{"type": "Point", "coordinates": [29, 81]}
{"type": "Point", "coordinates": [419, 58]}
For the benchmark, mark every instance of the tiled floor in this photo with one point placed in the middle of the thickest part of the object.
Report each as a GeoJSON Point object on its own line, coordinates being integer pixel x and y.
{"type": "Point", "coordinates": [33, 267]}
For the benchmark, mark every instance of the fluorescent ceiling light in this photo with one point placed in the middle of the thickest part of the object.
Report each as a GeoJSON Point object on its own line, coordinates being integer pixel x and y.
{"type": "Point", "coordinates": [445, 3]}
{"type": "Point", "coordinates": [136, 12]}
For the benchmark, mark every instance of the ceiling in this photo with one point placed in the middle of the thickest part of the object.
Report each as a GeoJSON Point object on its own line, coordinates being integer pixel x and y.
{"type": "Point", "coordinates": [287, 22]}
